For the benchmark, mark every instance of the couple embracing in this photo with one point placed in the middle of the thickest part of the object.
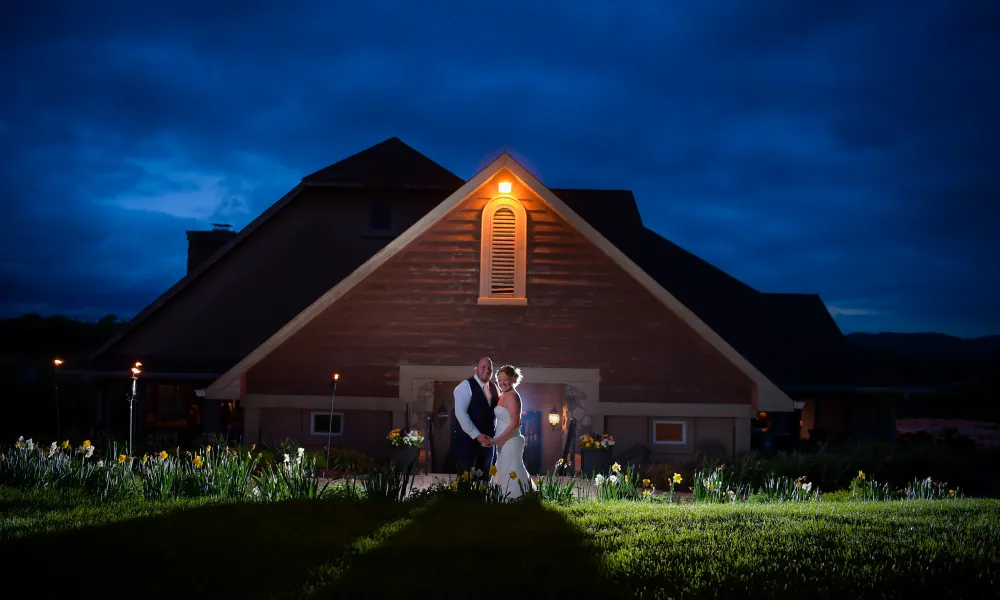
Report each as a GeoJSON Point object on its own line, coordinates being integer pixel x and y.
{"type": "Point", "coordinates": [489, 414]}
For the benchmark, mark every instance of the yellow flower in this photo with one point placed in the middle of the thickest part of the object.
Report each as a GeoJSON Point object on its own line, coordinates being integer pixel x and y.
{"type": "Point", "coordinates": [616, 467]}
{"type": "Point", "coordinates": [645, 483]}
{"type": "Point", "coordinates": [208, 449]}
{"type": "Point", "coordinates": [121, 458]}
{"type": "Point", "coordinates": [260, 454]}
{"type": "Point", "coordinates": [163, 455]}
{"type": "Point", "coordinates": [465, 476]}
{"type": "Point", "coordinates": [951, 492]}
{"type": "Point", "coordinates": [65, 444]}
{"type": "Point", "coordinates": [678, 478]}
{"type": "Point", "coordinates": [798, 484]}
{"type": "Point", "coordinates": [626, 478]}
{"type": "Point", "coordinates": [145, 457]}
{"type": "Point", "coordinates": [86, 443]}
{"type": "Point", "coordinates": [861, 475]}
{"type": "Point", "coordinates": [513, 475]}
{"type": "Point", "coordinates": [493, 470]}
{"type": "Point", "coordinates": [17, 444]}
{"type": "Point", "coordinates": [454, 485]}
{"type": "Point", "coordinates": [645, 492]}
{"type": "Point", "coordinates": [197, 462]}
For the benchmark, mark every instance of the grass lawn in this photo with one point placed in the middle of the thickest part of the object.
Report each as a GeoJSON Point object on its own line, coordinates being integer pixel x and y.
{"type": "Point", "coordinates": [59, 545]}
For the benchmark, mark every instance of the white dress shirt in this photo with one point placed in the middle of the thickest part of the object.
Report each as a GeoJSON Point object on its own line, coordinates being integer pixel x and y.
{"type": "Point", "coordinates": [463, 395]}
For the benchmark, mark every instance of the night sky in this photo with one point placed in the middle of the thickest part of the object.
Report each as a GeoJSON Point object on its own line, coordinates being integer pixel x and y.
{"type": "Point", "coordinates": [850, 151]}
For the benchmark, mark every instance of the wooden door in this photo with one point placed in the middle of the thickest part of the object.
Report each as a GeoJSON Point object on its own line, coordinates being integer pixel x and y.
{"type": "Point", "coordinates": [531, 428]}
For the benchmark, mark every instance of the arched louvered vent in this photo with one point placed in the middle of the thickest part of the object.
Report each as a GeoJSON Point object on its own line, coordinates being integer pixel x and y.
{"type": "Point", "coordinates": [503, 256]}
{"type": "Point", "coordinates": [503, 253]}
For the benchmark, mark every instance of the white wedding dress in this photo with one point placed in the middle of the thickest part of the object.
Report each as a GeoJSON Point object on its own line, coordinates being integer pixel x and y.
{"type": "Point", "coordinates": [510, 458]}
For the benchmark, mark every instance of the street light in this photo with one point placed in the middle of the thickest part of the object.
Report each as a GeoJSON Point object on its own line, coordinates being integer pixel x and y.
{"type": "Point", "coordinates": [554, 418]}
{"type": "Point", "coordinates": [329, 424]}
{"type": "Point", "coordinates": [56, 363]}
{"type": "Point", "coordinates": [136, 370]}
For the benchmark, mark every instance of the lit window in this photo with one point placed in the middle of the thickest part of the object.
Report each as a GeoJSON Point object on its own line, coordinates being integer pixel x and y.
{"type": "Point", "coordinates": [504, 250]}
{"type": "Point", "coordinates": [320, 423]}
{"type": "Point", "coordinates": [669, 432]}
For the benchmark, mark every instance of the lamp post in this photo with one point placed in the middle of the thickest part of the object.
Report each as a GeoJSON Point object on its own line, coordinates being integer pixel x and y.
{"type": "Point", "coordinates": [56, 363]}
{"type": "Point", "coordinates": [554, 418]}
{"type": "Point", "coordinates": [329, 424]}
{"type": "Point", "coordinates": [136, 370]}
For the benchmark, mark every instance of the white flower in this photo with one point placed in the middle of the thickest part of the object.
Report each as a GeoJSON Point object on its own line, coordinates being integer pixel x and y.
{"type": "Point", "coordinates": [599, 479]}
{"type": "Point", "coordinates": [30, 445]}
{"type": "Point", "coordinates": [616, 467]}
{"type": "Point", "coordinates": [89, 451]}
{"type": "Point", "coordinates": [53, 447]}
{"type": "Point", "coordinates": [477, 472]}
{"type": "Point", "coordinates": [613, 479]}
{"type": "Point", "coordinates": [20, 438]}
{"type": "Point", "coordinates": [807, 486]}
{"type": "Point", "coordinates": [286, 458]}
{"type": "Point", "coordinates": [604, 442]}
{"type": "Point", "coordinates": [301, 451]}
{"type": "Point", "coordinates": [100, 463]}
{"type": "Point", "coordinates": [611, 442]}
{"type": "Point", "coordinates": [928, 481]}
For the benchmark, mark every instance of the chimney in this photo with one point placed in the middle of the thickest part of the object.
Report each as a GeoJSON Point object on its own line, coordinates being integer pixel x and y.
{"type": "Point", "coordinates": [203, 244]}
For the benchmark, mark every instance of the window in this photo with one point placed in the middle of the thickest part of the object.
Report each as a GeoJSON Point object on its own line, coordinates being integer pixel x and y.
{"type": "Point", "coordinates": [503, 253]}
{"type": "Point", "coordinates": [319, 423]}
{"type": "Point", "coordinates": [381, 215]}
{"type": "Point", "coordinates": [669, 432]}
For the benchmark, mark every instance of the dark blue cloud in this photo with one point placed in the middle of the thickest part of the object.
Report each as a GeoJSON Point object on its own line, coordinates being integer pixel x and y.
{"type": "Point", "coordinates": [848, 150]}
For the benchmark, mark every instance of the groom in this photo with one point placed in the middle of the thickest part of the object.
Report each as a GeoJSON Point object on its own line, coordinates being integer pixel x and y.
{"type": "Point", "coordinates": [475, 399]}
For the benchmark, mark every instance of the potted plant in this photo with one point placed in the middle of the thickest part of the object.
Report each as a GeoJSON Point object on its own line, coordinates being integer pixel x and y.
{"type": "Point", "coordinates": [595, 452]}
{"type": "Point", "coordinates": [405, 447]}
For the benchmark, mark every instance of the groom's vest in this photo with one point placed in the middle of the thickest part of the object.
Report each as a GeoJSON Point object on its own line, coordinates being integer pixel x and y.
{"type": "Point", "coordinates": [480, 411]}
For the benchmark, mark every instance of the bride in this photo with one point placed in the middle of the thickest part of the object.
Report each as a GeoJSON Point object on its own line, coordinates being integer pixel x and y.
{"type": "Point", "coordinates": [509, 442]}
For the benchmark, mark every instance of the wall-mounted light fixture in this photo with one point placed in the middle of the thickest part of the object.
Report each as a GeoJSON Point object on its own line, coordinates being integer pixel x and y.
{"type": "Point", "coordinates": [504, 187]}
{"type": "Point", "coordinates": [554, 418]}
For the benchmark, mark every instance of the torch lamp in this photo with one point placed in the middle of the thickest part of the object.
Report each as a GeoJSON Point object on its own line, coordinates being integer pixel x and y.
{"type": "Point", "coordinates": [329, 424]}
{"type": "Point", "coordinates": [56, 363]}
{"type": "Point", "coordinates": [554, 418]}
{"type": "Point", "coordinates": [136, 371]}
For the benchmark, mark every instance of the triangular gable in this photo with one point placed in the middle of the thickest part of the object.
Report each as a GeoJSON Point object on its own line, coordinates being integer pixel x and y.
{"type": "Point", "coordinates": [769, 396]}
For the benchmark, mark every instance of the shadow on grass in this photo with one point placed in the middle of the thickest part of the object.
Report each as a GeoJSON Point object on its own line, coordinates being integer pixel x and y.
{"type": "Point", "coordinates": [456, 549]}
{"type": "Point", "coordinates": [234, 550]}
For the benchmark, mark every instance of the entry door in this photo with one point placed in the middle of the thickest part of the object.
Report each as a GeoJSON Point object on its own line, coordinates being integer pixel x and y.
{"type": "Point", "coordinates": [531, 428]}
{"type": "Point", "coordinates": [444, 396]}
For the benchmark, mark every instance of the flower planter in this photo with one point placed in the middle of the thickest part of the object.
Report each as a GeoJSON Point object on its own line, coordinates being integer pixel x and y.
{"type": "Point", "coordinates": [595, 460]}
{"type": "Point", "coordinates": [405, 457]}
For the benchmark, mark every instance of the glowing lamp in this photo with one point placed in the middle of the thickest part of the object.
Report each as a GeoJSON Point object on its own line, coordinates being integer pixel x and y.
{"type": "Point", "coordinates": [336, 376]}
{"type": "Point", "coordinates": [57, 362]}
{"type": "Point", "coordinates": [554, 418]}
{"type": "Point", "coordinates": [136, 369]}
{"type": "Point", "coordinates": [504, 187]}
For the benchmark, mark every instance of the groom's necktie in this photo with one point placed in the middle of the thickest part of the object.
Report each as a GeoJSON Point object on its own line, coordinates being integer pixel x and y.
{"type": "Point", "coordinates": [486, 391]}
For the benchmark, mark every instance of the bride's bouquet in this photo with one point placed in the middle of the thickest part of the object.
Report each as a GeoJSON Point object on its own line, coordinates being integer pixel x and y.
{"type": "Point", "coordinates": [412, 437]}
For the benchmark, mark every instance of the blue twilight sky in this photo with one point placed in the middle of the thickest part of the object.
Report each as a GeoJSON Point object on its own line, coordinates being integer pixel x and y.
{"type": "Point", "coordinates": [851, 150]}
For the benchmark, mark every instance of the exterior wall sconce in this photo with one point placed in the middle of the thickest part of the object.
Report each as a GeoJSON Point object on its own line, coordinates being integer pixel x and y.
{"type": "Point", "coordinates": [554, 418]}
{"type": "Point", "coordinates": [504, 187]}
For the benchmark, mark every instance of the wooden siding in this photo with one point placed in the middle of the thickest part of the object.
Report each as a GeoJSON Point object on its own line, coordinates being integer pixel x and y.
{"type": "Point", "coordinates": [304, 250]}
{"type": "Point", "coordinates": [583, 310]}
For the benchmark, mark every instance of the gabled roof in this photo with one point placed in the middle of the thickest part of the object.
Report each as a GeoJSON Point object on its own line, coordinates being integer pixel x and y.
{"type": "Point", "coordinates": [769, 396]}
{"type": "Point", "coordinates": [388, 164]}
